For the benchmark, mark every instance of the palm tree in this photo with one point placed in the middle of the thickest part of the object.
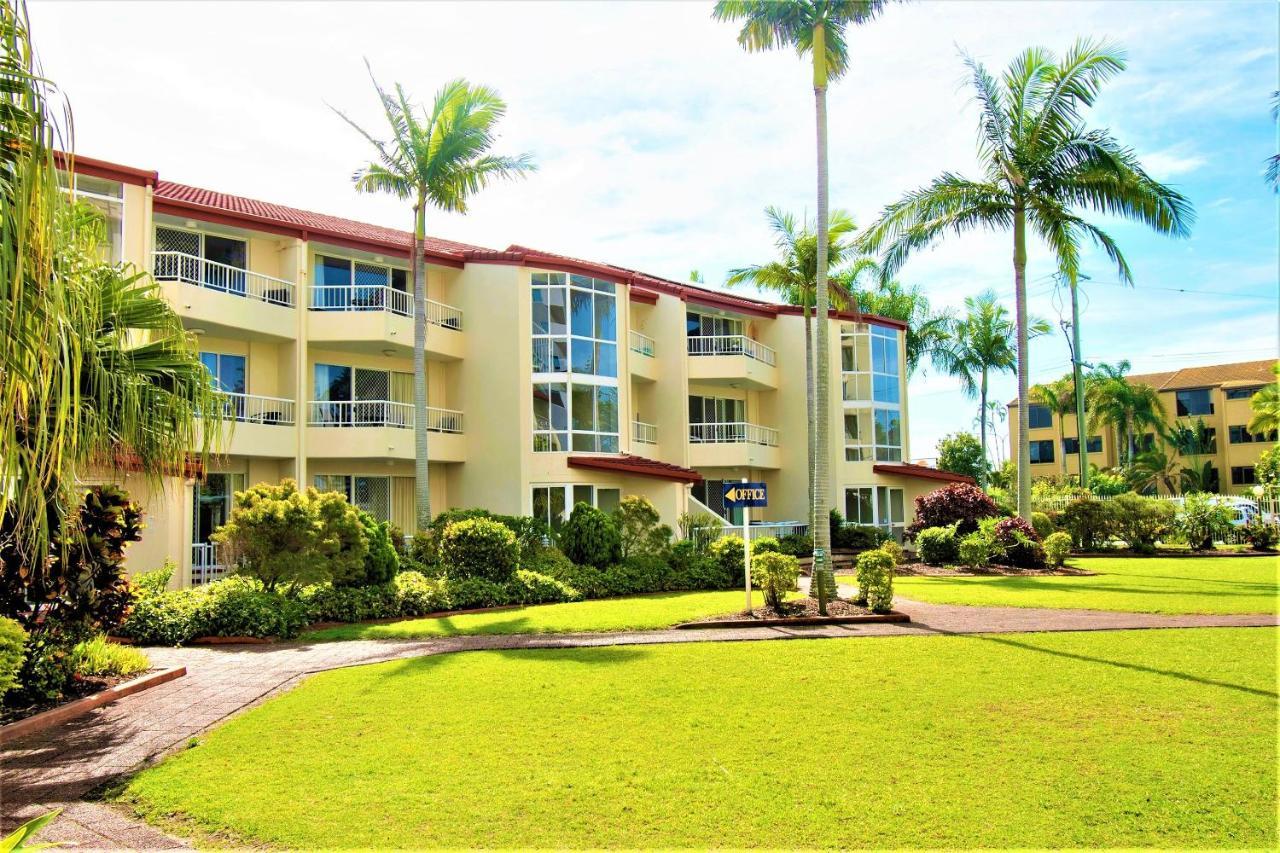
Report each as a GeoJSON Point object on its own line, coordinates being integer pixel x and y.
{"type": "Point", "coordinates": [1155, 468]}
{"type": "Point", "coordinates": [793, 277]}
{"type": "Point", "coordinates": [1060, 397]}
{"type": "Point", "coordinates": [439, 158]}
{"type": "Point", "coordinates": [1040, 165]}
{"type": "Point", "coordinates": [817, 28]}
{"type": "Point", "coordinates": [1127, 407]}
{"type": "Point", "coordinates": [981, 345]}
{"type": "Point", "coordinates": [1273, 162]}
{"type": "Point", "coordinates": [1265, 406]}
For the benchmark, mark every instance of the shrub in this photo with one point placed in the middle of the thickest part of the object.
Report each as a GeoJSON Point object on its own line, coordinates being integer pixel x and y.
{"type": "Point", "coordinates": [1261, 535]}
{"type": "Point", "coordinates": [98, 658]}
{"type": "Point", "coordinates": [12, 651]}
{"type": "Point", "coordinates": [977, 549]}
{"type": "Point", "coordinates": [692, 568]}
{"type": "Point", "coordinates": [1043, 525]}
{"type": "Point", "coordinates": [1089, 522]}
{"type": "Point", "coordinates": [155, 581]}
{"type": "Point", "coordinates": [1019, 543]}
{"type": "Point", "coordinates": [858, 537]}
{"type": "Point", "coordinates": [765, 545]}
{"type": "Point", "coordinates": [1140, 521]}
{"type": "Point", "coordinates": [960, 504]}
{"type": "Point", "coordinates": [1057, 547]}
{"type": "Point", "coordinates": [396, 535]}
{"type": "Point", "coordinates": [875, 580]}
{"type": "Point", "coordinates": [796, 544]}
{"type": "Point", "coordinates": [1004, 500]}
{"type": "Point", "coordinates": [527, 587]}
{"type": "Point", "coordinates": [590, 537]}
{"type": "Point", "coordinates": [472, 592]}
{"type": "Point", "coordinates": [169, 618]}
{"type": "Point", "coordinates": [690, 523]}
{"type": "Point", "coordinates": [418, 595]}
{"type": "Point", "coordinates": [1202, 520]}
{"type": "Point", "coordinates": [729, 554]}
{"type": "Point", "coordinates": [285, 537]}
{"type": "Point", "coordinates": [328, 603]}
{"type": "Point", "coordinates": [961, 453]}
{"type": "Point", "coordinates": [639, 527]}
{"type": "Point", "coordinates": [587, 580]}
{"type": "Point", "coordinates": [381, 562]}
{"type": "Point", "coordinates": [479, 548]}
{"type": "Point", "coordinates": [235, 607]}
{"type": "Point", "coordinates": [774, 575]}
{"type": "Point", "coordinates": [893, 549]}
{"type": "Point", "coordinates": [938, 545]}
{"type": "Point", "coordinates": [638, 573]}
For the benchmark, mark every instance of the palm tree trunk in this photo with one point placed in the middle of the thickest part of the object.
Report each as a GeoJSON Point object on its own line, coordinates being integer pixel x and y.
{"type": "Point", "coordinates": [421, 471]}
{"type": "Point", "coordinates": [1024, 418]}
{"type": "Point", "coordinates": [810, 420]}
{"type": "Point", "coordinates": [1062, 448]}
{"type": "Point", "coordinates": [822, 537]}
{"type": "Point", "coordinates": [982, 425]}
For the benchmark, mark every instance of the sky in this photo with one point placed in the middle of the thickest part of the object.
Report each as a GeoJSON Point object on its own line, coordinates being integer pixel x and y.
{"type": "Point", "coordinates": [659, 142]}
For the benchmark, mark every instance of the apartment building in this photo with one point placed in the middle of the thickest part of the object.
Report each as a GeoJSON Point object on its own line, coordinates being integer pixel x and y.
{"type": "Point", "coordinates": [552, 380]}
{"type": "Point", "coordinates": [1217, 394]}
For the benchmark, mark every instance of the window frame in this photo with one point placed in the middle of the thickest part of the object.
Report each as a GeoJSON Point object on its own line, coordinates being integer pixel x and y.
{"type": "Point", "coordinates": [1039, 445]}
{"type": "Point", "coordinates": [569, 494]}
{"type": "Point", "coordinates": [1183, 411]}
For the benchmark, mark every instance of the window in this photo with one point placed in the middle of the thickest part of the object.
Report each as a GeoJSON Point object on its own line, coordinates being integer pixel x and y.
{"type": "Point", "coordinates": [227, 373]}
{"type": "Point", "coordinates": [107, 198]}
{"type": "Point", "coordinates": [554, 504]}
{"type": "Point", "coordinates": [888, 435]}
{"type": "Point", "coordinates": [1072, 445]}
{"type": "Point", "coordinates": [1041, 451]}
{"type": "Point", "coordinates": [1197, 401]}
{"type": "Point", "coordinates": [1039, 417]}
{"type": "Point", "coordinates": [214, 497]}
{"type": "Point", "coordinates": [209, 260]}
{"type": "Point", "coordinates": [1241, 435]}
{"type": "Point", "coordinates": [1199, 441]}
{"type": "Point", "coordinates": [885, 375]}
{"type": "Point", "coordinates": [575, 416]}
{"type": "Point", "coordinates": [711, 334]}
{"type": "Point", "coordinates": [1242, 475]}
{"type": "Point", "coordinates": [711, 494]}
{"type": "Point", "coordinates": [347, 396]}
{"type": "Point", "coordinates": [859, 505]}
{"type": "Point", "coordinates": [857, 435]}
{"type": "Point", "coordinates": [871, 380]}
{"type": "Point", "coordinates": [876, 506]}
{"type": "Point", "coordinates": [717, 419]}
{"type": "Point", "coordinates": [371, 494]}
{"type": "Point", "coordinates": [343, 284]}
{"type": "Point", "coordinates": [574, 325]}
{"type": "Point", "coordinates": [1240, 393]}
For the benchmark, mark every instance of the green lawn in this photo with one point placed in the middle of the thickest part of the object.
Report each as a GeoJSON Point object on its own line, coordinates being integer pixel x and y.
{"type": "Point", "coordinates": [1112, 739]}
{"type": "Point", "coordinates": [640, 612]}
{"type": "Point", "coordinates": [1140, 585]}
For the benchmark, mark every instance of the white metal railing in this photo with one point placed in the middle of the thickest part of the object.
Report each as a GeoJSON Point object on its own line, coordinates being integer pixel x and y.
{"type": "Point", "coordinates": [757, 530]}
{"type": "Point", "coordinates": [380, 413]}
{"type": "Point", "coordinates": [641, 343]}
{"type": "Point", "coordinates": [731, 345]}
{"type": "Point", "coordinates": [192, 269]}
{"type": "Point", "coordinates": [643, 433]}
{"type": "Point", "coordinates": [354, 297]}
{"type": "Point", "coordinates": [256, 409]}
{"type": "Point", "coordinates": [733, 433]}
{"type": "Point", "coordinates": [204, 564]}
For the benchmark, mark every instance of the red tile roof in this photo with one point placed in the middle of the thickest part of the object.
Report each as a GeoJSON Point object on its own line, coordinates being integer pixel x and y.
{"type": "Point", "coordinates": [626, 463]}
{"type": "Point", "coordinates": [924, 472]}
{"type": "Point", "coordinates": [1204, 376]}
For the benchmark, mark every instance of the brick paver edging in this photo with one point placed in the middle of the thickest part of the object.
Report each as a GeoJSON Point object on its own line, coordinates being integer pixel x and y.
{"type": "Point", "coordinates": [61, 714]}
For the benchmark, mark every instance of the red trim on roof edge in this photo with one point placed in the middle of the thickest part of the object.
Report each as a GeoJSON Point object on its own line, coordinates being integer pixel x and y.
{"type": "Point", "coordinates": [851, 316]}
{"type": "Point", "coordinates": [907, 469]}
{"type": "Point", "coordinates": [648, 297]}
{"type": "Point", "coordinates": [627, 463]}
{"type": "Point", "coordinates": [111, 171]}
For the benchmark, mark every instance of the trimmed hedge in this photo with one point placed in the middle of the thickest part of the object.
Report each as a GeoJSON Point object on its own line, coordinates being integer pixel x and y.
{"type": "Point", "coordinates": [938, 546]}
{"type": "Point", "coordinates": [479, 549]}
{"type": "Point", "coordinates": [590, 537]}
{"type": "Point", "coordinates": [234, 607]}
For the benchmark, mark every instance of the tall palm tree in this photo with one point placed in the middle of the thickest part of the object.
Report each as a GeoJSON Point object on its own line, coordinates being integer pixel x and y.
{"type": "Point", "coordinates": [439, 158]}
{"type": "Point", "coordinates": [1273, 162]}
{"type": "Point", "coordinates": [1041, 164]}
{"type": "Point", "coordinates": [793, 277]}
{"type": "Point", "coordinates": [1128, 408]}
{"type": "Point", "coordinates": [1265, 406]}
{"type": "Point", "coordinates": [1156, 468]}
{"type": "Point", "coordinates": [1060, 397]}
{"type": "Point", "coordinates": [982, 345]}
{"type": "Point", "coordinates": [817, 28]}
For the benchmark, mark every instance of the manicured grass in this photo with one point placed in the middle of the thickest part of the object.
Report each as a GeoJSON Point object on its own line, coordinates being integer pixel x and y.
{"type": "Point", "coordinates": [1111, 739]}
{"type": "Point", "coordinates": [1133, 584]}
{"type": "Point", "coordinates": [640, 612]}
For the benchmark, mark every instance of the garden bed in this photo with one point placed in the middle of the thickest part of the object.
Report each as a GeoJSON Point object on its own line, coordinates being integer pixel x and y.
{"type": "Point", "coordinates": [986, 571]}
{"type": "Point", "coordinates": [801, 611]}
{"type": "Point", "coordinates": [1177, 552]}
{"type": "Point", "coordinates": [19, 722]}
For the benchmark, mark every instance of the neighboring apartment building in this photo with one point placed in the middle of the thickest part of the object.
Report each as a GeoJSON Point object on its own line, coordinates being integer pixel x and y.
{"type": "Point", "coordinates": [1218, 394]}
{"type": "Point", "coordinates": [551, 380]}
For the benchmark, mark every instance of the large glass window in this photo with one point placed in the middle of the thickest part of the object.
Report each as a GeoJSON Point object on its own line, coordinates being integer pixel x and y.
{"type": "Point", "coordinates": [1041, 451]}
{"type": "Point", "coordinates": [227, 371]}
{"type": "Point", "coordinates": [876, 506]}
{"type": "Point", "coordinates": [888, 435]}
{"type": "Point", "coordinates": [1241, 435]}
{"type": "Point", "coordinates": [717, 419]}
{"type": "Point", "coordinates": [371, 494]}
{"type": "Point", "coordinates": [575, 416]}
{"type": "Point", "coordinates": [857, 435]}
{"type": "Point", "coordinates": [574, 325]}
{"type": "Point", "coordinates": [1243, 475]}
{"type": "Point", "coordinates": [1240, 393]}
{"type": "Point", "coordinates": [871, 382]}
{"type": "Point", "coordinates": [211, 260]}
{"type": "Point", "coordinates": [553, 504]}
{"type": "Point", "coordinates": [1072, 445]}
{"type": "Point", "coordinates": [1196, 401]}
{"type": "Point", "coordinates": [347, 396]}
{"type": "Point", "coordinates": [344, 284]}
{"type": "Point", "coordinates": [885, 374]}
{"type": "Point", "coordinates": [1039, 417]}
{"type": "Point", "coordinates": [107, 198]}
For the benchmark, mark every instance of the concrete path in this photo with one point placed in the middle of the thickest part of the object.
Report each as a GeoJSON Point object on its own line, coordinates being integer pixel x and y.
{"type": "Point", "coordinates": [60, 766]}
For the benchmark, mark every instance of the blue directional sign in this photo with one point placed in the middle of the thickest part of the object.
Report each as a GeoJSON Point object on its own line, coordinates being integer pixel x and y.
{"type": "Point", "coordinates": [745, 494]}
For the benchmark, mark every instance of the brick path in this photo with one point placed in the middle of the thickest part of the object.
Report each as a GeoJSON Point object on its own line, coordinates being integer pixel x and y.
{"type": "Point", "coordinates": [60, 766]}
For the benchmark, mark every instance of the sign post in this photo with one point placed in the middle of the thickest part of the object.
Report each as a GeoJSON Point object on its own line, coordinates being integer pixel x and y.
{"type": "Point", "coordinates": [746, 495]}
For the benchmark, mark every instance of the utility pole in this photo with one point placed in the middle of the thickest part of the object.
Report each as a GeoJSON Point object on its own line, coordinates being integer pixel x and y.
{"type": "Point", "coordinates": [1082, 432]}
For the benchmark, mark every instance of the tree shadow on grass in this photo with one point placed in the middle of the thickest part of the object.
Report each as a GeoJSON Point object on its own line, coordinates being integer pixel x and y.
{"type": "Point", "coordinates": [595, 656]}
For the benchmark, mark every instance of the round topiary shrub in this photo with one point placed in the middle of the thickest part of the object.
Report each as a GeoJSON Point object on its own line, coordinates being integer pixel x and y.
{"type": "Point", "coordinates": [479, 548]}
{"type": "Point", "coordinates": [959, 503]}
{"type": "Point", "coordinates": [938, 546]}
{"type": "Point", "coordinates": [875, 580]}
{"type": "Point", "coordinates": [1057, 547]}
{"type": "Point", "coordinates": [775, 575]}
{"type": "Point", "coordinates": [590, 537]}
{"type": "Point", "coordinates": [1043, 525]}
{"type": "Point", "coordinates": [765, 544]}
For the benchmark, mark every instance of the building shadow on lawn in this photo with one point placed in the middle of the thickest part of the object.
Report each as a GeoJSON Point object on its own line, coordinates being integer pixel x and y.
{"type": "Point", "coordinates": [582, 655]}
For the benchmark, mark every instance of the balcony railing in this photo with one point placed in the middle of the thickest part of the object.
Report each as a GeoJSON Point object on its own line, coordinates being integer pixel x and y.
{"type": "Point", "coordinates": [343, 297]}
{"type": "Point", "coordinates": [255, 409]}
{"type": "Point", "coordinates": [643, 433]}
{"type": "Point", "coordinates": [380, 413]}
{"type": "Point", "coordinates": [205, 566]}
{"type": "Point", "coordinates": [731, 345]}
{"type": "Point", "coordinates": [640, 343]}
{"type": "Point", "coordinates": [191, 269]}
{"type": "Point", "coordinates": [733, 433]}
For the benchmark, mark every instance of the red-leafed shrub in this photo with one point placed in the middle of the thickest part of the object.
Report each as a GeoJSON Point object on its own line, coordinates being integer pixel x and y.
{"type": "Point", "coordinates": [1021, 544]}
{"type": "Point", "coordinates": [960, 504]}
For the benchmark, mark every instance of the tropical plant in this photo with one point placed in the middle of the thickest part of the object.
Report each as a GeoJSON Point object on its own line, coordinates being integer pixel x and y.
{"type": "Point", "coordinates": [12, 651]}
{"type": "Point", "coordinates": [1201, 519]}
{"type": "Point", "coordinates": [1267, 468]}
{"type": "Point", "coordinates": [1128, 408]}
{"type": "Point", "coordinates": [17, 840]}
{"type": "Point", "coordinates": [1200, 477]}
{"type": "Point", "coordinates": [816, 28]}
{"type": "Point", "coordinates": [983, 343]}
{"type": "Point", "coordinates": [1265, 405]}
{"type": "Point", "coordinates": [958, 504]}
{"type": "Point", "coordinates": [961, 453]}
{"type": "Point", "coordinates": [1060, 397]}
{"type": "Point", "coordinates": [1273, 162]}
{"type": "Point", "coordinates": [793, 277]}
{"type": "Point", "coordinates": [1041, 163]}
{"type": "Point", "coordinates": [1155, 469]}
{"type": "Point", "coordinates": [440, 159]}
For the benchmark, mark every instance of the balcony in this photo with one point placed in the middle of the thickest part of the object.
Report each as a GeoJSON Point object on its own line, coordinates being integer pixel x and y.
{"type": "Point", "coordinates": [734, 360]}
{"type": "Point", "coordinates": [260, 426]}
{"type": "Point", "coordinates": [380, 429]}
{"type": "Point", "coordinates": [381, 315]}
{"type": "Point", "coordinates": [644, 365]}
{"type": "Point", "coordinates": [643, 433]}
{"type": "Point", "coordinates": [733, 445]}
{"type": "Point", "coordinates": [219, 295]}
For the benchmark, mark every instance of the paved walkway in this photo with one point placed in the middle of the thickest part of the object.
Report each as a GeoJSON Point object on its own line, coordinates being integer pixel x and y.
{"type": "Point", "coordinates": [60, 766]}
